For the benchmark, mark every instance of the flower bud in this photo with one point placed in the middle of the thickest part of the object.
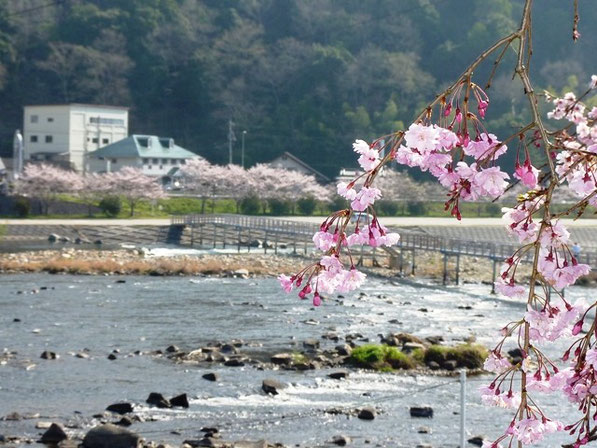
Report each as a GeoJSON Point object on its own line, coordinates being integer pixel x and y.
{"type": "Point", "coordinates": [316, 299]}
{"type": "Point", "coordinates": [577, 327]}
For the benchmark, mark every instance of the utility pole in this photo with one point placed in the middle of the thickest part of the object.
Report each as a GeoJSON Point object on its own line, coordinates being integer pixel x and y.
{"type": "Point", "coordinates": [242, 151]}
{"type": "Point", "coordinates": [231, 138]}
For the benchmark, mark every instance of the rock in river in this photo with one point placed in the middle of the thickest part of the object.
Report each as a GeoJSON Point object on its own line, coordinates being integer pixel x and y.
{"type": "Point", "coordinates": [271, 386]}
{"type": "Point", "coordinates": [180, 401]}
{"type": "Point", "coordinates": [341, 440]}
{"type": "Point", "coordinates": [53, 435]}
{"type": "Point", "coordinates": [210, 376]}
{"type": "Point", "coordinates": [282, 359]}
{"type": "Point", "coordinates": [421, 411]}
{"type": "Point", "coordinates": [158, 400]}
{"type": "Point", "coordinates": [48, 355]}
{"type": "Point", "coordinates": [120, 408]}
{"type": "Point", "coordinates": [110, 436]}
{"type": "Point", "coordinates": [367, 413]}
{"type": "Point", "coordinates": [338, 375]}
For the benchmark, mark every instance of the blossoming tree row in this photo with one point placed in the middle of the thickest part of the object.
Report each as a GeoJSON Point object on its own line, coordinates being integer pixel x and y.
{"type": "Point", "coordinates": [449, 139]}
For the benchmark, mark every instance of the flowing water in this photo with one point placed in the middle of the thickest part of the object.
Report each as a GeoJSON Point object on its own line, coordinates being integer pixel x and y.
{"type": "Point", "coordinates": [149, 313]}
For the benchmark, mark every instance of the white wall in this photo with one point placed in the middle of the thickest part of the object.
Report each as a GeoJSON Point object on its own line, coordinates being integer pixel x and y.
{"type": "Point", "coordinates": [75, 128]}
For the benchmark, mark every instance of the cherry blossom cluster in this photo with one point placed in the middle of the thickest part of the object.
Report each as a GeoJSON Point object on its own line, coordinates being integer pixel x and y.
{"type": "Point", "coordinates": [441, 148]}
{"type": "Point", "coordinates": [549, 316]}
{"type": "Point", "coordinates": [457, 149]}
{"type": "Point", "coordinates": [330, 273]}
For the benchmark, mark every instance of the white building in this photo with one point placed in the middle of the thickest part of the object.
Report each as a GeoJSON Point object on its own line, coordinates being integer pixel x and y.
{"type": "Point", "coordinates": [67, 133]}
{"type": "Point", "coordinates": [156, 156]}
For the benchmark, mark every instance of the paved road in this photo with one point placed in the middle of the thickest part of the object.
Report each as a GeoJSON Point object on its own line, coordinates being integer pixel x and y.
{"type": "Point", "coordinates": [452, 222]}
{"type": "Point", "coordinates": [86, 222]}
{"type": "Point", "coordinates": [393, 221]}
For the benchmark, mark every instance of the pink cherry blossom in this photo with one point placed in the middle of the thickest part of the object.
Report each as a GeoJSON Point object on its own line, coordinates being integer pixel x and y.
{"type": "Point", "coordinates": [422, 137]}
{"type": "Point", "coordinates": [495, 362]}
{"type": "Point", "coordinates": [286, 282]}
{"type": "Point", "coordinates": [346, 191]}
{"type": "Point", "coordinates": [364, 198]}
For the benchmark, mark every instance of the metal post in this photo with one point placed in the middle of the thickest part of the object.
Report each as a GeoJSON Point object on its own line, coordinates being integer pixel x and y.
{"type": "Point", "coordinates": [192, 236]}
{"type": "Point", "coordinates": [445, 269]}
{"type": "Point", "coordinates": [238, 242]}
{"type": "Point", "coordinates": [493, 276]}
{"type": "Point", "coordinates": [457, 269]}
{"type": "Point", "coordinates": [462, 408]}
{"type": "Point", "coordinates": [413, 269]}
{"type": "Point", "coordinates": [215, 234]}
{"type": "Point", "coordinates": [265, 243]}
{"type": "Point", "coordinates": [242, 152]}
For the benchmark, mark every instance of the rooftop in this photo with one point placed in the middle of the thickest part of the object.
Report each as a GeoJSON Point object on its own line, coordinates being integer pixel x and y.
{"type": "Point", "coordinates": [103, 106]}
{"type": "Point", "coordinates": [144, 146]}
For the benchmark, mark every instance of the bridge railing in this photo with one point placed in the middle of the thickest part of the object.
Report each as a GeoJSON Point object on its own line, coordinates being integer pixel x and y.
{"type": "Point", "coordinates": [408, 240]}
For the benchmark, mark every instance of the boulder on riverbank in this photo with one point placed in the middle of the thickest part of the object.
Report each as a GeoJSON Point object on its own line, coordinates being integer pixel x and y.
{"type": "Point", "coordinates": [110, 436]}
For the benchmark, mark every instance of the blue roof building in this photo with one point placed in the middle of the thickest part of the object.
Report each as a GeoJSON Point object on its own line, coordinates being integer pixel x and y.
{"type": "Point", "coordinates": [156, 156]}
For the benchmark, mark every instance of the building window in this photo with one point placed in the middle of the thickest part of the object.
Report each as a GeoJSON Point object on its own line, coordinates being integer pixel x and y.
{"type": "Point", "coordinates": [105, 141]}
{"type": "Point", "coordinates": [165, 161]}
{"type": "Point", "coordinates": [100, 120]}
{"type": "Point", "coordinates": [114, 160]}
{"type": "Point", "coordinates": [50, 120]}
{"type": "Point", "coordinates": [34, 118]}
{"type": "Point", "coordinates": [173, 161]}
{"type": "Point", "coordinates": [145, 161]}
{"type": "Point", "coordinates": [155, 161]}
{"type": "Point", "coordinates": [183, 161]}
{"type": "Point", "coordinates": [33, 139]}
{"type": "Point", "coordinates": [148, 167]}
{"type": "Point", "coordinates": [95, 140]}
{"type": "Point", "coordinates": [161, 167]}
{"type": "Point", "coordinates": [49, 139]}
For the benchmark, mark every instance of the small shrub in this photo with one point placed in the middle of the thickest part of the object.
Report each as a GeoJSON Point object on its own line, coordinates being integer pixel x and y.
{"type": "Point", "coordinates": [416, 208]}
{"type": "Point", "coordinates": [338, 203]}
{"type": "Point", "coordinates": [306, 206]}
{"type": "Point", "coordinates": [279, 207]}
{"type": "Point", "coordinates": [493, 209]}
{"type": "Point", "coordinates": [111, 206]}
{"type": "Point", "coordinates": [388, 208]}
{"type": "Point", "coordinates": [22, 207]}
{"type": "Point", "coordinates": [251, 205]}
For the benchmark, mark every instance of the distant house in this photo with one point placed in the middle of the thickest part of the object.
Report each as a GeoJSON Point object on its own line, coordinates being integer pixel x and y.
{"type": "Point", "coordinates": [65, 134]}
{"type": "Point", "coordinates": [156, 156]}
{"type": "Point", "coordinates": [289, 162]}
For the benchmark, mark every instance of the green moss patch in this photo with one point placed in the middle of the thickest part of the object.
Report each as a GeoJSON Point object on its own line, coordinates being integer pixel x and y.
{"type": "Point", "coordinates": [381, 357]}
{"type": "Point", "coordinates": [470, 356]}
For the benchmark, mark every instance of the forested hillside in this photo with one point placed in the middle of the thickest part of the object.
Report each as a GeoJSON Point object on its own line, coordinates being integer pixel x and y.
{"type": "Point", "coordinates": [305, 76]}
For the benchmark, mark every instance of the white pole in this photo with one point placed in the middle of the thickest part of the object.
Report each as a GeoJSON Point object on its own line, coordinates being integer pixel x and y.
{"type": "Point", "coordinates": [462, 407]}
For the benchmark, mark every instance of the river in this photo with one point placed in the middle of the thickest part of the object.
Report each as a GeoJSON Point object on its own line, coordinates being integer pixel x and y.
{"type": "Point", "coordinates": [98, 314]}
